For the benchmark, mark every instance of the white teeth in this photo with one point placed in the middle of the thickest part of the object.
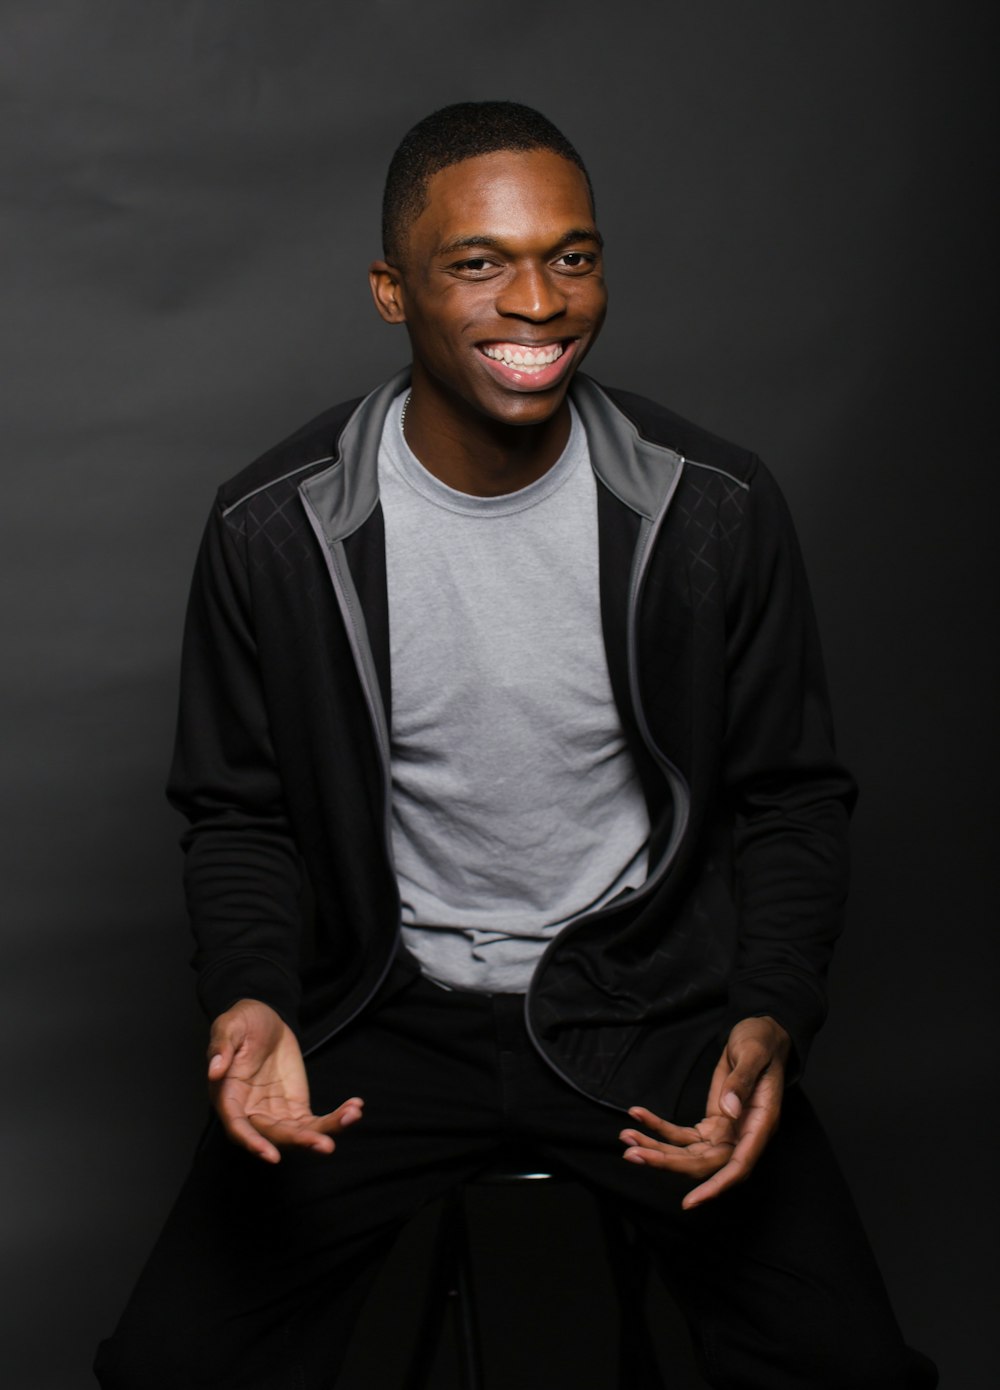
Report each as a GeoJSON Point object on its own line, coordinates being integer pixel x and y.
{"type": "Point", "coordinates": [530, 358]}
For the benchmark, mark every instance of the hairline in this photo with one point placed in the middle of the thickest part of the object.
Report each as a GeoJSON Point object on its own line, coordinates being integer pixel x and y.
{"type": "Point", "coordinates": [425, 202]}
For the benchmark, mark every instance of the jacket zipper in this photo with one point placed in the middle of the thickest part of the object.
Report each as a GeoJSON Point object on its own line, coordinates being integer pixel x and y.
{"type": "Point", "coordinates": [361, 652]}
{"type": "Point", "coordinates": [679, 790]}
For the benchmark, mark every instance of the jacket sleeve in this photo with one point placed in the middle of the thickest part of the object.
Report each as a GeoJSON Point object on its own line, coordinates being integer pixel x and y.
{"type": "Point", "coordinates": [792, 798]}
{"type": "Point", "coordinates": [242, 876]}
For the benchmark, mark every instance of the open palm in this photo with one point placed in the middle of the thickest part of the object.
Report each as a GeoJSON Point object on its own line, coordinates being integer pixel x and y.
{"type": "Point", "coordinates": [258, 1085]}
{"type": "Point", "coordinates": [744, 1105]}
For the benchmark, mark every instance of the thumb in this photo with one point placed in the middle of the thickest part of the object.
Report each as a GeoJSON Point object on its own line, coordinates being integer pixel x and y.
{"type": "Point", "coordinates": [219, 1062]}
{"type": "Point", "coordinates": [739, 1085]}
{"type": "Point", "coordinates": [224, 1040]}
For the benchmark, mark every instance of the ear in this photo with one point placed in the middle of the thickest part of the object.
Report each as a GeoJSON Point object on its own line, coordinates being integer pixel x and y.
{"type": "Point", "coordinates": [387, 291]}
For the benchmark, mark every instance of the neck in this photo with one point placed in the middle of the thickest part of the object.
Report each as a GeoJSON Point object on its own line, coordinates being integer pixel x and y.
{"type": "Point", "coordinates": [475, 454]}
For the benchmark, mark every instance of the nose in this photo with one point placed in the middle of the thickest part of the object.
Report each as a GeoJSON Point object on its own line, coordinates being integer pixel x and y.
{"type": "Point", "coordinates": [530, 293]}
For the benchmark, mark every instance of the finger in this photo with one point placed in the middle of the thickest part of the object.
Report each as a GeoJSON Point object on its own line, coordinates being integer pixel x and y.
{"type": "Point", "coordinates": [633, 1139]}
{"type": "Point", "coordinates": [738, 1087]}
{"type": "Point", "coordinates": [221, 1051]}
{"type": "Point", "coordinates": [346, 1114]}
{"type": "Point", "coordinates": [307, 1130]}
{"type": "Point", "coordinates": [224, 1042]}
{"type": "Point", "coordinates": [242, 1132]}
{"type": "Point", "coordinates": [219, 1061]}
{"type": "Point", "coordinates": [674, 1134]}
{"type": "Point", "coordinates": [294, 1134]}
{"type": "Point", "coordinates": [732, 1173]}
{"type": "Point", "coordinates": [672, 1160]}
{"type": "Point", "coordinates": [719, 1077]}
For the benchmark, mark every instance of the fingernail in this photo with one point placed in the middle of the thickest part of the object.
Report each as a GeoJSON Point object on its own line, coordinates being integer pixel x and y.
{"type": "Point", "coordinates": [634, 1156]}
{"type": "Point", "coordinates": [731, 1105]}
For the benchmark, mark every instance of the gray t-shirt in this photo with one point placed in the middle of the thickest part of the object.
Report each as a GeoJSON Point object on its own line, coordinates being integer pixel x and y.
{"type": "Point", "coordinates": [515, 802]}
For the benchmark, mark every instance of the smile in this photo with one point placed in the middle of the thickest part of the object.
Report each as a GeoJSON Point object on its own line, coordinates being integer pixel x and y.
{"type": "Point", "coordinates": [529, 368]}
{"type": "Point", "coordinates": [530, 359]}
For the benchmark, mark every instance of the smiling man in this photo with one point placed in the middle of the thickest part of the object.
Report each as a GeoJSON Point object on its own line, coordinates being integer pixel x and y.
{"type": "Point", "coordinates": [520, 674]}
{"type": "Point", "coordinates": [501, 308]}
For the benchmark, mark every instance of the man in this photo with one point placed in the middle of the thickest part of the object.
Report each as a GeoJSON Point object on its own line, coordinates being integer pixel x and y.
{"type": "Point", "coordinates": [524, 674]}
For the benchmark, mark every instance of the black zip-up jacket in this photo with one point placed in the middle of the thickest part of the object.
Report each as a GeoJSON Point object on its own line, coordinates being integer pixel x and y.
{"type": "Point", "coordinates": [282, 756]}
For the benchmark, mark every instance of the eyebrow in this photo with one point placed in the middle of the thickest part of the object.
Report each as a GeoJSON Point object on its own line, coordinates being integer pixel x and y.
{"type": "Point", "coordinates": [575, 235]}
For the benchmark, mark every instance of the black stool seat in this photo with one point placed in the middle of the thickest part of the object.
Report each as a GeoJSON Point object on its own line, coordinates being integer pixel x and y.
{"type": "Point", "coordinates": [451, 1283]}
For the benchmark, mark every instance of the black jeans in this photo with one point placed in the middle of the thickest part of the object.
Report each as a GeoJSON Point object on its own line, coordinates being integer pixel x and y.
{"type": "Point", "coordinates": [260, 1271]}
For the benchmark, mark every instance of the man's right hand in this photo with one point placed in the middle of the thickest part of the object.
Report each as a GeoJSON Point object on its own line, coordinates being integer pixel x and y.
{"type": "Point", "coordinates": [257, 1083]}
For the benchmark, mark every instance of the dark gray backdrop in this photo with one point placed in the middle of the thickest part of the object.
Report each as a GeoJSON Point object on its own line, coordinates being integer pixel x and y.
{"type": "Point", "coordinates": [794, 202]}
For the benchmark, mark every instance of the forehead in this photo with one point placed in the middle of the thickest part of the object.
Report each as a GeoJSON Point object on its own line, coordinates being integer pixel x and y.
{"type": "Point", "coordinates": [508, 195]}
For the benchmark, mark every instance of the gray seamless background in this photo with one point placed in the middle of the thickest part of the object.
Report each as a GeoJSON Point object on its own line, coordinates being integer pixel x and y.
{"type": "Point", "coordinates": [794, 200]}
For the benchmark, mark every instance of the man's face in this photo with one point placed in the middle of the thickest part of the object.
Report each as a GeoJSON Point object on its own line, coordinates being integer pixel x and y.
{"type": "Point", "coordinates": [503, 263]}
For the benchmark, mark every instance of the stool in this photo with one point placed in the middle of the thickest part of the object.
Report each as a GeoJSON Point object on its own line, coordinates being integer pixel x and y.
{"type": "Point", "coordinates": [450, 1283]}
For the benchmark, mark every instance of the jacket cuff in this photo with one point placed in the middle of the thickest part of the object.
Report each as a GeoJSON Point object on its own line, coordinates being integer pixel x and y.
{"type": "Point", "coordinates": [249, 977]}
{"type": "Point", "coordinates": [789, 1001]}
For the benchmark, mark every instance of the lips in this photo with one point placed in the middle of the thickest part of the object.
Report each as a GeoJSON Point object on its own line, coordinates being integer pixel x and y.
{"type": "Point", "coordinates": [527, 366]}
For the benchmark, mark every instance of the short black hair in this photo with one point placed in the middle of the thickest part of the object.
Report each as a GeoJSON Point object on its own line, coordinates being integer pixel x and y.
{"type": "Point", "coordinates": [462, 131]}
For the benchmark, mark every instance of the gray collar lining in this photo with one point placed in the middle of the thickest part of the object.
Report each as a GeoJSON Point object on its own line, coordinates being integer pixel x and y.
{"type": "Point", "coordinates": [640, 474]}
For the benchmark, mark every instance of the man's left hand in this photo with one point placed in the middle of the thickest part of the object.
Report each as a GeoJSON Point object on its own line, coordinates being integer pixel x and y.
{"type": "Point", "coordinates": [744, 1103]}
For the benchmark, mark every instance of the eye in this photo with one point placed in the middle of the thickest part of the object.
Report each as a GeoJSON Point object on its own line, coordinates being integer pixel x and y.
{"type": "Point", "coordinates": [577, 262]}
{"type": "Point", "coordinates": [473, 267]}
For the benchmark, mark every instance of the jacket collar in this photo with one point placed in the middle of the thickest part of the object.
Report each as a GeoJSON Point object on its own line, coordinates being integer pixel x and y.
{"type": "Point", "coordinates": [639, 472]}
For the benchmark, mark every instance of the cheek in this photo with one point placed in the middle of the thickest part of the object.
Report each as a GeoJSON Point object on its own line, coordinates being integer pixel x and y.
{"type": "Point", "coordinates": [447, 322]}
{"type": "Point", "coordinates": [596, 302]}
